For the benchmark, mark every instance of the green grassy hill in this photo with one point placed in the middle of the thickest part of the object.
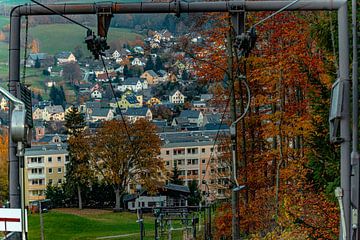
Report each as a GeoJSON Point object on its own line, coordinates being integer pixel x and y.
{"type": "Point", "coordinates": [65, 37]}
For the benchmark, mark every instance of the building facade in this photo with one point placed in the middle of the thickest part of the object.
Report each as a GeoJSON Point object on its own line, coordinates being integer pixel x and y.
{"type": "Point", "coordinates": [44, 165]}
{"type": "Point", "coordinates": [197, 159]}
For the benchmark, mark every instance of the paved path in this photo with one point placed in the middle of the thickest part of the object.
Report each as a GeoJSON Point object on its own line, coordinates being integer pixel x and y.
{"type": "Point", "coordinates": [118, 236]}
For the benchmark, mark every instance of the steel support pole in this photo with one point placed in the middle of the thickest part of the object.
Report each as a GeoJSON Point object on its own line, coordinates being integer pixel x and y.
{"type": "Point", "coordinates": [345, 120]}
{"type": "Point", "coordinates": [355, 166]}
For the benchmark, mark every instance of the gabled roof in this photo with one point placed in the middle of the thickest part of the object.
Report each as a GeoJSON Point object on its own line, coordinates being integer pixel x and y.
{"type": "Point", "coordinates": [54, 109]}
{"type": "Point", "coordinates": [40, 56]}
{"type": "Point", "coordinates": [213, 118]}
{"type": "Point", "coordinates": [174, 91]}
{"type": "Point", "coordinates": [131, 81]}
{"type": "Point", "coordinates": [162, 73]}
{"type": "Point", "coordinates": [100, 112]}
{"type": "Point", "coordinates": [63, 55]}
{"type": "Point", "coordinates": [189, 114]}
{"type": "Point", "coordinates": [137, 111]}
{"type": "Point", "coordinates": [93, 104]}
{"type": "Point", "coordinates": [151, 73]}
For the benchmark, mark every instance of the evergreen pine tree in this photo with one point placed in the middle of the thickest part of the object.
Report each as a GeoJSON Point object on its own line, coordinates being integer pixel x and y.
{"type": "Point", "coordinates": [149, 64]}
{"type": "Point", "coordinates": [37, 63]}
{"type": "Point", "coordinates": [175, 176]}
{"type": "Point", "coordinates": [158, 64]}
{"type": "Point", "coordinates": [74, 121]}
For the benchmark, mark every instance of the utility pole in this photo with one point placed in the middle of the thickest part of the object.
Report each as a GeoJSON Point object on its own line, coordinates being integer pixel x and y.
{"type": "Point", "coordinates": [345, 120]}
{"type": "Point", "coordinates": [355, 165]}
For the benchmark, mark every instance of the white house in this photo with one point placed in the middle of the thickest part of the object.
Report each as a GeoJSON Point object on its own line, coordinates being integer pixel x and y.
{"type": "Point", "coordinates": [134, 84]}
{"type": "Point", "coordinates": [96, 94]}
{"type": "Point", "coordinates": [65, 57]}
{"type": "Point", "coordinates": [116, 55]}
{"type": "Point", "coordinates": [134, 114]}
{"type": "Point", "coordinates": [38, 114]}
{"type": "Point", "coordinates": [101, 114]}
{"type": "Point", "coordinates": [194, 117]}
{"type": "Point", "coordinates": [137, 62]}
{"type": "Point", "coordinates": [177, 97]}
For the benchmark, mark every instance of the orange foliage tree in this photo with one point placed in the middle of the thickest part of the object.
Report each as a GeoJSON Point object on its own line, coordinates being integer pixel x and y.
{"type": "Point", "coordinates": [275, 136]}
{"type": "Point", "coordinates": [3, 166]}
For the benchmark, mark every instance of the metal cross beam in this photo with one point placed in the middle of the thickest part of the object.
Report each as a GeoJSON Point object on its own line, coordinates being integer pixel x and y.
{"type": "Point", "coordinates": [179, 7]}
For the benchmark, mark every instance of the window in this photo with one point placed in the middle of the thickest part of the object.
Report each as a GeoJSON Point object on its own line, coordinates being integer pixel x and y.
{"type": "Point", "coordinates": [211, 149]}
{"type": "Point", "coordinates": [50, 181]}
{"type": "Point", "coordinates": [167, 163]}
{"type": "Point", "coordinates": [59, 181]}
{"type": "Point", "coordinates": [50, 170]}
{"type": "Point", "coordinates": [203, 172]}
{"type": "Point", "coordinates": [189, 161]}
{"type": "Point", "coordinates": [49, 159]}
{"type": "Point", "coordinates": [59, 170]}
{"type": "Point", "coordinates": [203, 150]}
{"type": "Point", "coordinates": [67, 158]}
{"type": "Point", "coordinates": [59, 159]}
{"type": "Point", "coordinates": [203, 160]}
{"type": "Point", "coordinates": [167, 152]}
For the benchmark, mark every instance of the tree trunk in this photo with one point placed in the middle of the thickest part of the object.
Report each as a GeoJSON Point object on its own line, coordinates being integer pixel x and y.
{"type": "Point", "coordinates": [117, 200]}
{"type": "Point", "coordinates": [79, 196]}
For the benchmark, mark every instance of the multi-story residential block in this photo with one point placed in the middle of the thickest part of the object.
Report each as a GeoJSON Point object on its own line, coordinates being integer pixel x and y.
{"type": "Point", "coordinates": [44, 165]}
{"type": "Point", "coordinates": [198, 158]}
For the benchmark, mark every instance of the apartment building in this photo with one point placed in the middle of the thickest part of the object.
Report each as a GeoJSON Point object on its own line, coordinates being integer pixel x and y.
{"type": "Point", "coordinates": [44, 164]}
{"type": "Point", "coordinates": [197, 158]}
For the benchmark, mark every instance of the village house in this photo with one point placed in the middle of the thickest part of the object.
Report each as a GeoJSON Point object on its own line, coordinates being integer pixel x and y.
{"type": "Point", "coordinates": [101, 114]}
{"type": "Point", "coordinates": [130, 100]}
{"type": "Point", "coordinates": [177, 97]}
{"type": "Point", "coordinates": [134, 84]}
{"type": "Point", "coordinates": [54, 113]}
{"type": "Point", "coordinates": [151, 77]}
{"type": "Point", "coordinates": [38, 113]}
{"type": "Point", "coordinates": [4, 105]}
{"type": "Point", "coordinates": [65, 57]}
{"type": "Point", "coordinates": [137, 62]}
{"type": "Point", "coordinates": [134, 114]}
{"type": "Point", "coordinates": [43, 59]}
{"type": "Point", "coordinates": [191, 117]}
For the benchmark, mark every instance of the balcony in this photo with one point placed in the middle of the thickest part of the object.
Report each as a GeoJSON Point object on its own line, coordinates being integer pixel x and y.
{"type": "Point", "coordinates": [32, 176]}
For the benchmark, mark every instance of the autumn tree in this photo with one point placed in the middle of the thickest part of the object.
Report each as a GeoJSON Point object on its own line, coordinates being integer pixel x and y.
{"type": "Point", "coordinates": [35, 46]}
{"type": "Point", "coordinates": [72, 72]}
{"type": "Point", "coordinates": [3, 166]}
{"type": "Point", "coordinates": [122, 153]}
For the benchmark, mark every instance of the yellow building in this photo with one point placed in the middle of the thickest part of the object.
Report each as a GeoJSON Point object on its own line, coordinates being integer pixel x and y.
{"type": "Point", "coordinates": [44, 165]}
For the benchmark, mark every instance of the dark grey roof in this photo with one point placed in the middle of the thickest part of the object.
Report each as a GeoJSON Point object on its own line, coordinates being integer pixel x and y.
{"type": "Point", "coordinates": [54, 109]}
{"type": "Point", "coordinates": [131, 81]}
{"type": "Point", "coordinates": [48, 149]}
{"type": "Point", "coordinates": [152, 73]}
{"type": "Point", "coordinates": [189, 114]}
{"type": "Point", "coordinates": [63, 55]}
{"type": "Point", "coordinates": [48, 138]}
{"type": "Point", "coordinates": [136, 111]}
{"type": "Point", "coordinates": [100, 112]}
{"type": "Point", "coordinates": [162, 73]}
{"type": "Point", "coordinates": [176, 187]}
{"type": "Point", "coordinates": [93, 105]}
{"type": "Point", "coordinates": [131, 99]}
{"type": "Point", "coordinates": [213, 118]}
{"type": "Point", "coordinates": [215, 126]}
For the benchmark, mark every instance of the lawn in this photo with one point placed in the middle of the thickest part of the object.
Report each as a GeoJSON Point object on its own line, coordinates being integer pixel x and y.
{"type": "Point", "coordinates": [65, 37]}
{"type": "Point", "coordinates": [90, 224]}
